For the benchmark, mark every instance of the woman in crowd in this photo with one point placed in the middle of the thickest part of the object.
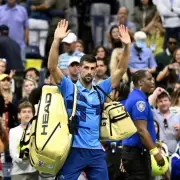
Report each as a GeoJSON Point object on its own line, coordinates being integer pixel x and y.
{"type": "Point", "coordinates": [143, 14]}
{"type": "Point", "coordinates": [171, 73]}
{"type": "Point", "coordinates": [114, 41]}
{"type": "Point", "coordinates": [100, 52]}
{"type": "Point", "coordinates": [28, 85]}
{"type": "Point", "coordinates": [115, 58]}
{"type": "Point", "coordinates": [155, 34]}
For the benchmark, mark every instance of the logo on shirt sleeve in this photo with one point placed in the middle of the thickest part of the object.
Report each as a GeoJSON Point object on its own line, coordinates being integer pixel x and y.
{"type": "Point", "coordinates": [141, 106]}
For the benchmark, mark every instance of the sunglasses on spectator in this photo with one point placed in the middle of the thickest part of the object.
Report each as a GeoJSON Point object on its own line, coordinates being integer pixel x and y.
{"type": "Point", "coordinates": [165, 123]}
{"type": "Point", "coordinates": [172, 43]}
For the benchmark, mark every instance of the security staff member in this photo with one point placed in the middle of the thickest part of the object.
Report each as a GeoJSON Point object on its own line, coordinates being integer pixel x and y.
{"type": "Point", "coordinates": [137, 148]}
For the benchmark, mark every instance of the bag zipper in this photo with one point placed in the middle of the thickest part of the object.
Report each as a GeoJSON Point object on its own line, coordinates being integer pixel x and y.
{"type": "Point", "coordinates": [110, 127]}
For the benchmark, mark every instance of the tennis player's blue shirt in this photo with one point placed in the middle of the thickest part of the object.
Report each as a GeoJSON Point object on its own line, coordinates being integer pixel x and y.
{"type": "Point", "coordinates": [139, 109]}
{"type": "Point", "coordinates": [88, 111]}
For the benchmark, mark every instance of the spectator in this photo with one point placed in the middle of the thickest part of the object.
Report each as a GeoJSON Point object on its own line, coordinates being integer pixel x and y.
{"type": "Point", "coordinates": [16, 18]}
{"type": "Point", "coordinates": [155, 34]}
{"type": "Point", "coordinates": [10, 102]}
{"type": "Point", "coordinates": [171, 72]}
{"type": "Point", "coordinates": [115, 58]}
{"type": "Point", "coordinates": [141, 57]}
{"type": "Point", "coordinates": [10, 50]}
{"type": "Point", "coordinates": [70, 48]}
{"type": "Point", "coordinates": [169, 12]}
{"type": "Point", "coordinates": [73, 69]}
{"type": "Point", "coordinates": [163, 149]}
{"type": "Point", "coordinates": [32, 73]}
{"type": "Point", "coordinates": [100, 14]}
{"type": "Point", "coordinates": [164, 58]}
{"type": "Point", "coordinates": [57, 10]}
{"type": "Point", "coordinates": [38, 25]}
{"type": "Point", "coordinates": [21, 169]}
{"type": "Point", "coordinates": [28, 85]}
{"type": "Point", "coordinates": [114, 38]}
{"type": "Point", "coordinates": [169, 123]}
{"type": "Point", "coordinates": [143, 14]}
{"type": "Point", "coordinates": [80, 46]}
{"type": "Point", "coordinates": [175, 102]}
{"type": "Point", "coordinates": [101, 71]}
{"type": "Point", "coordinates": [101, 52]}
{"type": "Point", "coordinates": [122, 18]}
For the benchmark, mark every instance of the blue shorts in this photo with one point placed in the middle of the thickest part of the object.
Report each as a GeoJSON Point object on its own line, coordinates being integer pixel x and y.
{"type": "Point", "coordinates": [92, 161]}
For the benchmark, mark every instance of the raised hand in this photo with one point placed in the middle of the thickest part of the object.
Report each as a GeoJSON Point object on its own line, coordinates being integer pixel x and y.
{"type": "Point", "coordinates": [12, 73]}
{"type": "Point", "coordinates": [61, 30]}
{"type": "Point", "coordinates": [124, 35]}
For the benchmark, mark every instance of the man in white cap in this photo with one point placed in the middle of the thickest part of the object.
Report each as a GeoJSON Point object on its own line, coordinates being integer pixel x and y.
{"type": "Point", "coordinates": [70, 51]}
{"type": "Point", "coordinates": [73, 68]}
{"type": "Point", "coordinates": [141, 57]}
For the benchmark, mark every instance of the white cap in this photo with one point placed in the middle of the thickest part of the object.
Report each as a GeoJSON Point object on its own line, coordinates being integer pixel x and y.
{"type": "Point", "coordinates": [70, 38]}
{"type": "Point", "coordinates": [140, 35]}
{"type": "Point", "coordinates": [74, 59]}
{"type": "Point", "coordinates": [140, 38]}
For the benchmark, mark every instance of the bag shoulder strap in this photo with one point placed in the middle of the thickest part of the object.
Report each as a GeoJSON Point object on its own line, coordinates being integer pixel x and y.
{"type": "Point", "coordinates": [74, 103]}
{"type": "Point", "coordinates": [98, 87]}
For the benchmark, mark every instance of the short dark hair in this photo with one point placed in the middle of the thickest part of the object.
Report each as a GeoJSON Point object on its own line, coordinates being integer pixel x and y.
{"type": "Point", "coordinates": [32, 69]}
{"type": "Point", "coordinates": [138, 75]}
{"type": "Point", "coordinates": [25, 104]}
{"type": "Point", "coordinates": [172, 36]}
{"type": "Point", "coordinates": [88, 58]}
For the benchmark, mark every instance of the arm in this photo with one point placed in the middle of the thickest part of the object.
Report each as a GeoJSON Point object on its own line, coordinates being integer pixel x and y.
{"type": "Point", "coordinates": [44, 6]}
{"type": "Point", "coordinates": [146, 139]}
{"type": "Point", "coordinates": [163, 10]}
{"type": "Point", "coordinates": [163, 74]}
{"type": "Point", "coordinates": [26, 27]}
{"type": "Point", "coordinates": [152, 98]}
{"type": "Point", "coordinates": [26, 35]}
{"type": "Point", "coordinates": [152, 63]}
{"type": "Point", "coordinates": [13, 146]}
{"type": "Point", "coordinates": [123, 63]}
{"type": "Point", "coordinates": [59, 34]}
{"type": "Point", "coordinates": [152, 70]}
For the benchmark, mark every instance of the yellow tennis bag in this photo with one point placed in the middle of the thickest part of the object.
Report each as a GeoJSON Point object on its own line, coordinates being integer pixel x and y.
{"type": "Point", "coordinates": [50, 134]}
{"type": "Point", "coordinates": [116, 123]}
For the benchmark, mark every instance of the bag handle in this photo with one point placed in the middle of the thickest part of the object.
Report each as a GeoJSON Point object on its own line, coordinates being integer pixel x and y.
{"type": "Point", "coordinates": [98, 87]}
{"type": "Point", "coordinates": [74, 103]}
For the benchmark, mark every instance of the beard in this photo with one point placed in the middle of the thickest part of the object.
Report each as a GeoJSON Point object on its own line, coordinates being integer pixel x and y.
{"type": "Point", "coordinates": [87, 79]}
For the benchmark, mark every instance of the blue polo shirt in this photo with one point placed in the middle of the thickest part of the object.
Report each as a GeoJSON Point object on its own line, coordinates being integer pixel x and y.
{"type": "Point", "coordinates": [145, 60]}
{"type": "Point", "coordinates": [88, 111]}
{"type": "Point", "coordinates": [139, 109]}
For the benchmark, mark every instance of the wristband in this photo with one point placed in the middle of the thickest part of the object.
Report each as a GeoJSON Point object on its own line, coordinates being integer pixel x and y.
{"type": "Point", "coordinates": [154, 151]}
